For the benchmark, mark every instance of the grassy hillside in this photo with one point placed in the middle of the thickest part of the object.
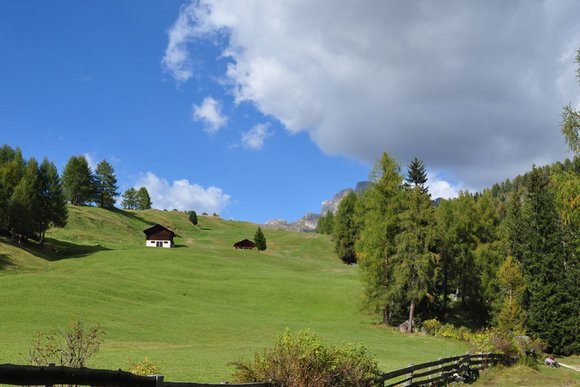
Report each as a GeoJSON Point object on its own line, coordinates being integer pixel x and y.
{"type": "Point", "coordinates": [194, 308]}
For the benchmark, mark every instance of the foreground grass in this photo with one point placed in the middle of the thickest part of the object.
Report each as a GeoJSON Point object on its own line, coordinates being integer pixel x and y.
{"type": "Point", "coordinates": [525, 376]}
{"type": "Point", "coordinates": [192, 309]}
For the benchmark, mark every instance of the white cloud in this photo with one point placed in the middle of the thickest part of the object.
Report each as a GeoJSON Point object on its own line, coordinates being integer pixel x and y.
{"type": "Point", "coordinates": [254, 138]}
{"type": "Point", "coordinates": [472, 88]}
{"type": "Point", "coordinates": [182, 195]}
{"type": "Point", "coordinates": [176, 60]}
{"type": "Point", "coordinates": [210, 113]}
{"type": "Point", "coordinates": [440, 188]}
{"type": "Point", "coordinates": [91, 161]}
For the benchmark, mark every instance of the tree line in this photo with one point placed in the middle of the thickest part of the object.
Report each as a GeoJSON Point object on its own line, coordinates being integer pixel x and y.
{"type": "Point", "coordinates": [33, 196]}
{"type": "Point", "coordinates": [507, 257]}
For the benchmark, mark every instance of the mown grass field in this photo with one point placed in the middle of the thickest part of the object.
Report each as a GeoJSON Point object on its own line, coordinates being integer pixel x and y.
{"type": "Point", "coordinates": [191, 309]}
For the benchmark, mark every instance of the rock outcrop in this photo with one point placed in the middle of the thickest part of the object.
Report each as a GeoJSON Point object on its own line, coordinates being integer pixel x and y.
{"type": "Point", "coordinates": [308, 222]}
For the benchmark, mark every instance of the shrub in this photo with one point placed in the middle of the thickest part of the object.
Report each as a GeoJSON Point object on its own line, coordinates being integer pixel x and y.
{"type": "Point", "coordinates": [431, 326]}
{"type": "Point", "coordinates": [146, 367]}
{"type": "Point", "coordinates": [301, 361]}
{"type": "Point", "coordinates": [72, 347]}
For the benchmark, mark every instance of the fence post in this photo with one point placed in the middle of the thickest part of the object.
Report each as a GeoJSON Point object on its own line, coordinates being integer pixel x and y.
{"type": "Point", "coordinates": [158, 380]}
{"type": "Point", "coordinates": [440, 366]}
{"type": "Point", "coordinates": [410, 381]}
{"type": "Point", "coordinates": [467, 363]}
{"type": "Point", "coordinates": [50, 365]}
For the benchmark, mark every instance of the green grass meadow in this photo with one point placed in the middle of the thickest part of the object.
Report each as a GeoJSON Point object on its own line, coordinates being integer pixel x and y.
{"type": "Point", "coordinates": [191, 309]}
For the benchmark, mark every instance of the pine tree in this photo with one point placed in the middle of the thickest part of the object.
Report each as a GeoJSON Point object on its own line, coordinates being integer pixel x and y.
{"type": "Point", "coordinates": [143, 199]}
{"type": "Point", "coordinates": [105, 185]}
{"type": "Point", "coordinates": [260, 240]}
{"type": "Point", "coordinates": [78, 181]}
{"type": "Point", "coordinates": [192, 215]}
{"type": "Point", "coordinates": [129, 199]}
{"type": "Point", "coordinates": [416, 175]}
{"type": "Point", "coordinates": [54, 212]}
{"type": "Point", "coordinates": [345, 230]}
{"type": "Point", "coordinates": [549, 268]}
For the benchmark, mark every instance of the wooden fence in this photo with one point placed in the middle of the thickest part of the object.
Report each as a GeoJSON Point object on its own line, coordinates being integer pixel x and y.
{"type": "Point", "coordinates": [464, 367]}
{"type": "Point", "coordinates": [22, 375]}
{"type": "Point", "coordinates": [439, 372]}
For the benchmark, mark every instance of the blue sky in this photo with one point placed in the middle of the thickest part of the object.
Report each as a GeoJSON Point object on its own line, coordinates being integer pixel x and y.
{"type": "Point", "coordinates": [261, 110]}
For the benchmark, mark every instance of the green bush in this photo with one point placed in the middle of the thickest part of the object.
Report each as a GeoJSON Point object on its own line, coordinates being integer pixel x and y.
{"type": "Point", "coordinates": [302, 361]}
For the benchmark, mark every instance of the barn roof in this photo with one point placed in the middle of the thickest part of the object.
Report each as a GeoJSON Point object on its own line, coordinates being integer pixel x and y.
{"type": "Point", "coordinates": [156, 228]}
{"type": "Point", "coordinates": [245, 243]}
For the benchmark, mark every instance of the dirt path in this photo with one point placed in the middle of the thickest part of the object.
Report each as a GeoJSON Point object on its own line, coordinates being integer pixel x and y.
{"type": "Point", "coordinates": [575, 368]}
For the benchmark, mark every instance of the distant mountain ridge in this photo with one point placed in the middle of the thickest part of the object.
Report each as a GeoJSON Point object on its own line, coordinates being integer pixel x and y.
{"type": "Point", "coordinates": [308, 222]}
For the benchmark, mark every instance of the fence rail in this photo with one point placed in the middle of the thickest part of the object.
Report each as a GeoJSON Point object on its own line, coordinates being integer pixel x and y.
{"type": "Point", "coordinates": [463, 367]}
{"type": "Point", "coordinates": [23, 375]}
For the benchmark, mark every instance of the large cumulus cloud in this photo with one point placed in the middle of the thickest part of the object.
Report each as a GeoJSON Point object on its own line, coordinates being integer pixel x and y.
{"type": "Point", "coordinates": [472, 88]}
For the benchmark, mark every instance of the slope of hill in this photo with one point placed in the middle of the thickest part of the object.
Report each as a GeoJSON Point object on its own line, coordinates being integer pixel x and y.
{"type": "Point", "coordinates": [191, 309]}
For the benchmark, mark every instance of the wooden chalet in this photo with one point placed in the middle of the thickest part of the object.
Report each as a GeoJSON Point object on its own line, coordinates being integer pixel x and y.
{"type": "Point", "coordinates": [158, 236]}
{"type": "Point", "coordinates": [245, 244]}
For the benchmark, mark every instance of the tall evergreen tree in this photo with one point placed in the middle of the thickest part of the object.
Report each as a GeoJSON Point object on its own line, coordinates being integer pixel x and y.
{"type": "Point", "coordinates": [379, 211]}
{"type": "Point", "coordinates": [549, 269]}
{"type": "Point", "coordinates": [345, 230]}
{"type": "Point", "coordinates": [77, 181]}
{"type": "Point", "coordinates": [413, 261]}
{"type": "Point", "coordinates": [129, 199]}
{"type": "Point", "coordinates": [143, 199]}
{"type": "Point", "coordinates": [192, 215]}
{"type": "Point", "coordinates": [53, 205]}
{"type": "Point", "coordinates": [416, 175]}
{"type": "Point", "coordinates": [105, 185]}
{"type": "Point", "coordinates": [260, 240]}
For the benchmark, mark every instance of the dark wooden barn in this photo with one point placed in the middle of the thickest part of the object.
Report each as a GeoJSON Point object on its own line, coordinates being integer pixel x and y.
{"type": "Point", "coordinates": [158, 236]}
{"type": "Point", "coordinates": [245, 244]}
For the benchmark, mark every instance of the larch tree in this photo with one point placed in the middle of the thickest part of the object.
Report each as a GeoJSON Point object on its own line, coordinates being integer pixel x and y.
{"type": "Point", "coordinates": [53, 204]}
{"type": "Point", "coordinates": [77, 181]}
{"type": "Point", "coordinates": [105, 185]}
{"type": "Point", "coordinates": [570, 125]}
{"type": "Point", "coordinates": [12, 166]}
{"type": "Point", "coordinates": [379, 210]}
{"type": "Point", "coordinates": [24, 205]}
{"type": "Point", "coordinates": [143, 199]}
{"type": "Point", "coordinates": [511, 317]}
{"type": "Point", "coordinates": [129, 199]}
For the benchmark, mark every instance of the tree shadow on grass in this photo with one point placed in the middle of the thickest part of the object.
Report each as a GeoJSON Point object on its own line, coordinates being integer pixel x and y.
{"type": "Point", "coordinates": [5, 262]}
{"type": "Point", "coordinates": [131, 215]}
{"type": "Point", "coordinates": [55, 250]}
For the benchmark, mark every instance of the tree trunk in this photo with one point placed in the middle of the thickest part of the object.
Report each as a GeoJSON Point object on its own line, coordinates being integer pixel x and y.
{"type": "Point", "coordinates": [386, 315]}
{"type": "Point", "coordinates": [411, 311]}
